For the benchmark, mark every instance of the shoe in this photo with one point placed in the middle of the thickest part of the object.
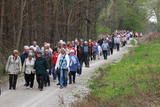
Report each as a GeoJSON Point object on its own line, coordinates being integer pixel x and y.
{"type": "Point", "coordinates": [41, 89]}
{"type": "Point", "coordinates": [61, 87]}
{"type": "Point", "coordinates": [25, 84]}
{"type": "Point", "coordinates": [58, 83]}
{"type": "Point", "coordinates": [27, 87]}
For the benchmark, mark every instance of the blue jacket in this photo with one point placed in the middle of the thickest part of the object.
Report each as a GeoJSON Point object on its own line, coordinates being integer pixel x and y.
{"type": "Point", "coordinates": [95, 48]}
{"type": "Point", "coordinates": [74, 63]}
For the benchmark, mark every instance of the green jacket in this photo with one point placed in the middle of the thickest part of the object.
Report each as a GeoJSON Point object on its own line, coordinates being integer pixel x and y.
{"type": "Point", "coordinates": [41, 66]}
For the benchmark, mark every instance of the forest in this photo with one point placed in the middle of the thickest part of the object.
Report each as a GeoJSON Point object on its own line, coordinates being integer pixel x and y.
{"type": "Point", "coordinates": [22, 21]}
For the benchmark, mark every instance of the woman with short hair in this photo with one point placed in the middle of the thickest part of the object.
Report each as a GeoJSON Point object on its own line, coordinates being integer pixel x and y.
{"type": "Point", "coordinates": [62, 66]}
{"type": "Point", "coordinates": [28, 69]}
{"type": "Point", "coordinates": [13, 68]}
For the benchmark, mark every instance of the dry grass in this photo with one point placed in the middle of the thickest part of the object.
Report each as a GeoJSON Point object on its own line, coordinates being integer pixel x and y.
{"type": "Point", "coordinates": [149, 38]}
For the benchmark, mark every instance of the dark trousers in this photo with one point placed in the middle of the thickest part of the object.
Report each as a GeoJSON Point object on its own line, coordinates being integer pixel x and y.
{"type": "Point", "coordinates": [86, 59]}
{"type": "Point", "coordinates": [72, 77]}
{"type": "Point", "coordinates": [29, 80]}
{"type": "Point", "coordinates": [54, 72]}
{"type": "Point", "coordinates": [12, 81]}
{"type": "Point", "coordinates": [25, 79]}
{"type": "Point", "coordinates": [105, 54]}
{"type": "Point", "coordinates": [47, 79]}
{"type": "Point", "coordinates": [58, 75]}
{"type": "Point", "coordinates": [117, 45]}
{"type": "Point", "coordinates": [111, 50]}
{"type": "Point", "coordinates": [94, 55]}
{"type": "Point", "coordinates": [40, 80]}
{"type": "Point", "coordinates": [79, 71]}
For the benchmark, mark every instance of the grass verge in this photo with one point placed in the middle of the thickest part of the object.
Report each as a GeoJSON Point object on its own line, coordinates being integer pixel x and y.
{"type": "Point", "coordinates": [133, 82]}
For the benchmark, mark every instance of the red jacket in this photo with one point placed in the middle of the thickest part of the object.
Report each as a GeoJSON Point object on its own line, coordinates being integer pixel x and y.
{"type": "Point", "coordinates": [55, 56]}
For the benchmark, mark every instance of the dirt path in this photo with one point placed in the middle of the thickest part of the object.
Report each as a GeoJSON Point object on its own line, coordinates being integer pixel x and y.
{"type": "Point", "coordinates": [53, 96]}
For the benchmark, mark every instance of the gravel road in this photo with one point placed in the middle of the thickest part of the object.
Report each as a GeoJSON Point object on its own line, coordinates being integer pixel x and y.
{"type": "Point", "coordinates": [53, 96]}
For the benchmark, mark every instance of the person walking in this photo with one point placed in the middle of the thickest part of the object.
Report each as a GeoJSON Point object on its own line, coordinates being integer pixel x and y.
{"type": "Point", "coordinates": [49, 61]}
{"type": "Point", "coordinates": [86, 51]}
{"type": "Point", "coordinates": [13, 68]}
{"type": "Point", "coordinates": [99, 51]}
{"type": "Point", "coordinates": [62, 67]}
{"type": "Point", "coordinates": [41, 67]}
{"type": "Point", "coordinates": [54, 60]}
{"type": "Point", "coordinates": [28, 69]}
{"type": "Point", "coordinates": [111, 45]}
{"type": "Point", "coordinates": [80, 56]}
{"type": "Point", "coordinates": [105, 48]}
{"type": "Point", "coordinates": [95, 50]}
{"type": "Point", "coordinates": [23, 57]}
{"type": "Point", "coordinates": [74, 66]}
{"type": "Point", "coordinates": [117, 42]}
{"type": "Point", "coordinates": [35, 47]}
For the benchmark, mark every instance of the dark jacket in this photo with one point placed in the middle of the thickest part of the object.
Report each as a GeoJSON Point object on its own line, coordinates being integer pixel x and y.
{"type": "Point", "coordinates": [111, 43]}
{"type": "Point", "coordinates": [41, 66]}
{"type": "Point", "coordinates": [86, 49]}
{"type": "Point", "coordinates": [100, 42]}
{"type": "Point", "coordinates": [49, 60]}
{"type": "Point", "coordinates": [23, 57]}
{"type": "Point", "coordinates": [79, 52]}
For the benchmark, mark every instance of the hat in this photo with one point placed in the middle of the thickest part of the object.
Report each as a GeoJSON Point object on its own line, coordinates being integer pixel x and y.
{"type": "Point", "coordinates": [26, 47]}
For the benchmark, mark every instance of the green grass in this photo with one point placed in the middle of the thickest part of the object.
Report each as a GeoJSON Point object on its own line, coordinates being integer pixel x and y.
{"type": "Point", "coordinates": [138, 71]}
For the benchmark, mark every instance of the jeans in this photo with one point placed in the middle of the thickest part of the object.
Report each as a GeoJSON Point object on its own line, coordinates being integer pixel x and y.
{"type": "Point", "coordinates": [117, 45]}
{"type": "Point", "coordinates": [111, 50]}
{"type": "Point", "coordinates": [80, 70]}
{"type": "Point", "coordinates": [94, 55]}
{"type": "Point", "coordinates": [47, 79]}
{"type": "Point", "coordinates": [105, 54]}
{"type": "Point", "coordinates": [63, 77]}
{"type": "Point", "coordinates": [54, 72]}
{"type": "Point", "coordinates": [86, 59]}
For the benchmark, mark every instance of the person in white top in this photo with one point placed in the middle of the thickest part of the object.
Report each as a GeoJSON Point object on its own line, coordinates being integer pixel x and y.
{"type": "Point", "coordinates": [99, 51]}
{"type": "Point", "coordinates": [28, 68]}
{"type": "Point", "coordinates": [117, 42]}
{"type": "Point", "coordinates": [62, 67]}
{"type": "Point", "coordinates": [13, 68]}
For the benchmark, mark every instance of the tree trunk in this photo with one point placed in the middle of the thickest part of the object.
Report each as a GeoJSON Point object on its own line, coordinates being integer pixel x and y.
{"type": "Point", "coordinates": [20, 28]}
{"type": "Point", "coordinates": [2, 21]}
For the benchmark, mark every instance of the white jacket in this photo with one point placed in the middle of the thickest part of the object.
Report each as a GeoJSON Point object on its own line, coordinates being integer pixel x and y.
{"type": "Point", "coordinates": [99, 50]}
{"type": "Point", "coordinates": [13, 66]}
{"type": "Point", "coordinates": [28, 66]}
{"type": "Point", "coordinates": [117, 40]}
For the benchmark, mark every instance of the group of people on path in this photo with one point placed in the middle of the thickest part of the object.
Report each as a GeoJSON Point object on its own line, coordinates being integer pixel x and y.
{"type": "Point", "coordinates": [62, 62]}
